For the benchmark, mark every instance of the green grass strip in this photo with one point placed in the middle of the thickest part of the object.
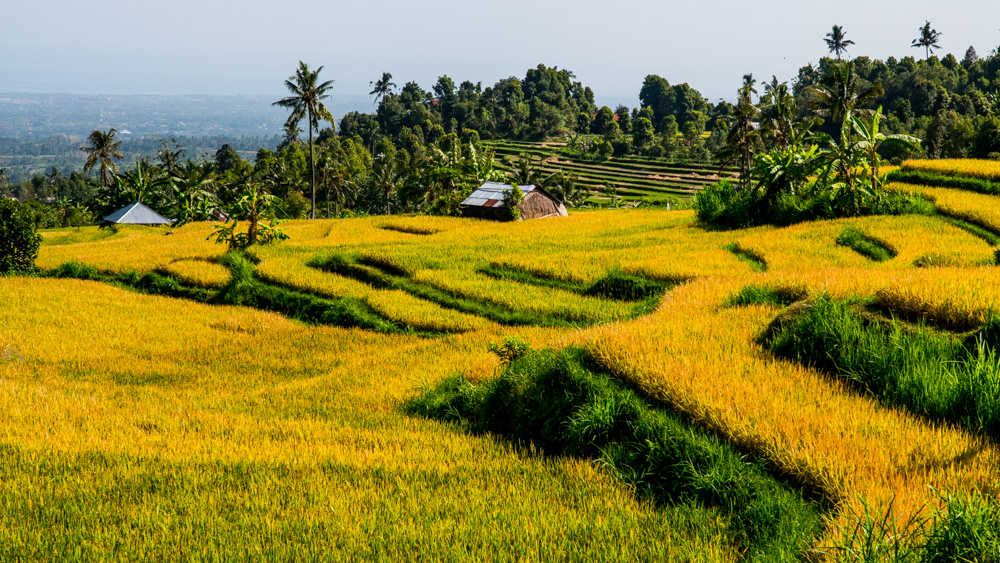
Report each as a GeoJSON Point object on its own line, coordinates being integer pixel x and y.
{"type": "Point", "coordinates": [939, 376]}
{"type": "Point", "coordinates": [748, 255]}
{"type": "Point", "coordinates": [365, 273]}
{"type": "Point", "coordinates": [866, 245]}
{"type": "Point", "coordinates": [979, 229]}
{"type": "Point", "coordinates": [245, 289]}
{"type": "Point", "coordinates": [922, 178]}
{"type": "Point", "coordinates": [616, 284]}
{"type": "Point", "coordinates": [552, 401]}
{"type": "Point", "coordinates": [766, 295]}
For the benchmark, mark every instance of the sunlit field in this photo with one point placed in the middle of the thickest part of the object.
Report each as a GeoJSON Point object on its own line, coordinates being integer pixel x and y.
{"type": "Point", "coordinates": [142, 426]}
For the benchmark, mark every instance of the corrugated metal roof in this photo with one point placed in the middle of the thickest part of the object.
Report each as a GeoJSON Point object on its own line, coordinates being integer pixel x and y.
{"type": "Point", "coordinates": [136, 213]}
{"type": "Point", "coordinates": [493, 191]}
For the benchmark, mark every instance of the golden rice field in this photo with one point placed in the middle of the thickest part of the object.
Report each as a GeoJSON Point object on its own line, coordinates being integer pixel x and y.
{"type": "Point", "coordinates": [985, 169]}
{"type": "Point", "coordinates": [137, 426]}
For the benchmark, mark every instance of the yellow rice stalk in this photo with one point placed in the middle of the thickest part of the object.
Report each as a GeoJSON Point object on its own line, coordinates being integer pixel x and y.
{"type": "Point", "coordinates": [703, 360]}
{"type": "Point", "coordinates": [202, 273]}
{"type": "Point", "coordinates": [971, 206]}
{"type": "Point", "coordinates": [985, 169]}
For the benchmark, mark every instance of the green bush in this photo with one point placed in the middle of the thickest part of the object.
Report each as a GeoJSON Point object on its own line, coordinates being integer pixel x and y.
{"type": "Point", "coordinates": [939, 377]}
{"type": "Point", "coordinates": [725, 205]}
{"type": "Point", "coordinates": [19, 240]}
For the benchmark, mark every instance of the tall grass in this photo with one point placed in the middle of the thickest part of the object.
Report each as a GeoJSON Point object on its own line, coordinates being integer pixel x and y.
{"type": "Point", "coordinates": [934, 375]}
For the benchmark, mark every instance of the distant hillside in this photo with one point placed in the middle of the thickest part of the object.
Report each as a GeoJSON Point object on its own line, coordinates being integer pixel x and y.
{"type": "Point", "coordinates": [40, 115]}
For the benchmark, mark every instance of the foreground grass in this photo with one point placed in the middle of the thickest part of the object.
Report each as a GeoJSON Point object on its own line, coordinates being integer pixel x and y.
{"type": "Point", "coordinates": [91, 374]}
{"type": "Point", "coordinates": [552, 401]}
{"type": "Point", "coordinates": [236, 433]}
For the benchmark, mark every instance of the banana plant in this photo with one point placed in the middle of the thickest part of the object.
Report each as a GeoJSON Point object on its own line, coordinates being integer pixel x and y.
{"type": "Point", "coordinates": [867, 140]}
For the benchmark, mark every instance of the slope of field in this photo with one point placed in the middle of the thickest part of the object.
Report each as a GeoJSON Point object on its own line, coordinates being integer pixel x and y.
{"type": "Point", "coordinates": [241, 431]}
{"type": "Point", "coordinates": [635, 178]}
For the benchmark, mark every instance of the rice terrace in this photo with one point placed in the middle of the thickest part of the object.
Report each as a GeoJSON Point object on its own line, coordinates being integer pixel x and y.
{"type": "Point", "coordinates": [508, 323]}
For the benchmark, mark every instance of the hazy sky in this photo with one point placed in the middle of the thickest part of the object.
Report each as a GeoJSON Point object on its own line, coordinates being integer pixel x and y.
{"type": "Point", "coordinates": [249, 47]}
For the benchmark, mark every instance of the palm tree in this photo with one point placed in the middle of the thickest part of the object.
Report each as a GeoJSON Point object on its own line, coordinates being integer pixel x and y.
{"type": "Point", "coordinates": [928, 39]}
{"type": "Point", "coordinates": [777, 114]}
{"type": "Point", "coordinates": [868, 140]}
{"type": "Point", "coordinates": [306, 102]}
{"type": "Point", "coordinates": [839, 93]}
{"type": "Point", "coordinates": [102, 148]}
{"type": "Point", "coordinates": [382, 87]}
{"type": "Point", "coordinates": [191, 185]}
{"type": "Point", "coordinates": [385, 176]}
{"type": "Point", "coordinates": [836, 40]}
{"type": "Point", "coordinates": [743, 140]}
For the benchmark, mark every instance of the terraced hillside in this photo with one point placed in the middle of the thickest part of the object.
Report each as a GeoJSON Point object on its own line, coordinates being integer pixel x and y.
{"type": "Point", "coordinates": [615, 385]}
{"type": "Point", "coordinates": [635, 178]}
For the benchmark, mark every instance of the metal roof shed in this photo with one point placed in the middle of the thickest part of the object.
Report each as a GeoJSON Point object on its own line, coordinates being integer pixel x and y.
{"type": "Point", "coordinates": [487, 203]}
{"type": "Point", "coordinates": [135, 213]}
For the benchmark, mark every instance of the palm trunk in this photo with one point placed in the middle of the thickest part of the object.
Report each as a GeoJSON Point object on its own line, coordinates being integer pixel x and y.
{"type": "Point", "coordinates": [312, 167]}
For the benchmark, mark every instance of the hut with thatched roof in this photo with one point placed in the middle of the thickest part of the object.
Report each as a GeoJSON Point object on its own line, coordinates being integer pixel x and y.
{"type": "Point", "coordinates": [135, 213]}
{"type": "Point", "coordinates": [487, 202]}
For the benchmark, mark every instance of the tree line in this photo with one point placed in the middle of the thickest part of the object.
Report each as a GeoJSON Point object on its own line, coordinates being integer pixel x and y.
{"type": "Point", "coordinates": [423, 150]}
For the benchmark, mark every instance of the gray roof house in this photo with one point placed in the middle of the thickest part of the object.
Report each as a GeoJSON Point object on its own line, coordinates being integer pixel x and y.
{"type": "Point", "coordinates": [135, 213]}
{"type": "Point", "coordinates": [487, 203]}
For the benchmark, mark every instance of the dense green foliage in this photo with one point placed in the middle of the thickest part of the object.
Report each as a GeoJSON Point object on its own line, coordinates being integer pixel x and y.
{"type": "Point", "coordinates": [421, 150]}
{"type": "Point", "coordinates": [553, 401]}
{"type": "Point", "coordinates": [19, 240]}
{"type": "Point", "coordinates": [952, 104]}
{"type": "Point", "coordinates": [726, 205]}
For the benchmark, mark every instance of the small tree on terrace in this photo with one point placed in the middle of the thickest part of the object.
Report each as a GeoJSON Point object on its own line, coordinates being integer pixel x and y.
{"type": "Point", "coordinates": [306, 102]}
{"type": "Point", "coordinates": [19, 241]}
{"type": "Point", "coordinates": [254, 205]}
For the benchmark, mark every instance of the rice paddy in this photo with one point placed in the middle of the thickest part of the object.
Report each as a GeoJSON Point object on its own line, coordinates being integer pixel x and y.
{"type": "Point", "coordinates": [138, 426]}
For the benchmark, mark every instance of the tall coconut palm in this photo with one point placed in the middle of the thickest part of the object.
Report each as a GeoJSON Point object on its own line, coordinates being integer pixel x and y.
{"type": "Point", "coordinates": [382, 87]}
{"type": "Point", "coordinates": [837, 41]}
{"type": "Point", "coordinates": [385, 176]}
{"type": "Point", "coordinates": [777, 114]}
{"type": "Point", "coordinates": [928, 39]}
{"type": "Point", "coordinates": [743, 140]}
{"type": "Point", "coordinates": [102, 148]}
{"type": "Point", "coordinates": [306, 102]}
{"type": "Point", "coordinates": [840, 92]}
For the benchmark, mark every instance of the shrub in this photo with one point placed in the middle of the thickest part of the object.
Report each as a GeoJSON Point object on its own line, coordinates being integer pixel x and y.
{"type": "Point", "coordinates": [511, 199]}
{"type": "Point", "coordinates": [19, 240]}
{"type": "Point", "coordinates": [725, 205]}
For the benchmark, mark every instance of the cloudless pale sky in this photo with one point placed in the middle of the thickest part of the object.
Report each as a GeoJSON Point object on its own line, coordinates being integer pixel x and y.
{"type": "Point", "coordinates": [251, 46]}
